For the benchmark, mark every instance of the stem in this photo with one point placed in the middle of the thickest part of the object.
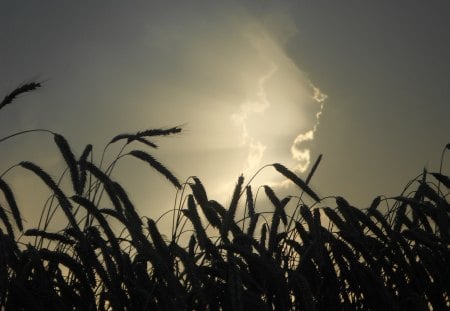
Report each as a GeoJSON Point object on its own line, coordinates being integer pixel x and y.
{"type": "Point", "coordinates": [25, 132]}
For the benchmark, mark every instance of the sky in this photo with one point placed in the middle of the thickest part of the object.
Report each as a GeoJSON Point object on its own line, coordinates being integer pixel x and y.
{"type": "Point", "coordinates": [365, 83]}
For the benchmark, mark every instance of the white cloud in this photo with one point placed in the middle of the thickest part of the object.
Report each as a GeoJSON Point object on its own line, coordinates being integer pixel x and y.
{"type": "Point", "coordinates": [300, 154]}
{"type": "Point", "coordinates": [277, 106]}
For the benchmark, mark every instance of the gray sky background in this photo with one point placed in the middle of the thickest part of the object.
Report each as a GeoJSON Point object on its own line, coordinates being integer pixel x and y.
{"type": "Point", "coordinates": [243, 78]}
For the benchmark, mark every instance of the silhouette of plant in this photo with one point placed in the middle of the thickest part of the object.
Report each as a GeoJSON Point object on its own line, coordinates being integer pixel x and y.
{"type": "Point", "coordinates": [304, 255]}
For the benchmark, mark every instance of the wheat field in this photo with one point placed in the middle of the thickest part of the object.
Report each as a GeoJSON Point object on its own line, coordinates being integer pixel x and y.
{"type": "Point", "coordinates": [307, 253]}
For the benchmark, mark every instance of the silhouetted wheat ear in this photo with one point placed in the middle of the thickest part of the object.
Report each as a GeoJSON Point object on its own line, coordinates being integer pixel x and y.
{"type": "Point", "coordinates": [313, 169]}
{"type": "Point", "coordinates": [445, 180]}
{"type": "Point", "coordinates": [375, 203]}
{"type": "Point", "coordinates": [140, 136]}
{"type": "Point", "coordinates": [229, 218]}
{"type": "Point", "coordinates": [82, 166]}
{"type": "Point", "coordinates": [157, 166]}
{"type": "Point", "coordinates": [366, 221]}
{"type": "Point", "coordinates": [144, 141]}
{"type": "Point", "coordinates": [128, 137]}
{"type": "Point", "coordinates": [159, 132]}
{"type": "Point", "coordinates": [277, 215]}
{"type": "Point", "coordinates": [432, 195]}
{"type": "Point", "coordinates": [86, 152]}
{"type": "Point", "coordinates": [335, 218]}
{"type": "Point", "coordinates": [262, 240]}
{"type": "Point", "coordinates": [252, 225]}
{"type": "Point", "coordinates": [200, 232]}
{"type": "Point", "coordinates": [68, 156]}
{"type": "Point", "coordinates": [49, 236]}
{"type": "Point", "coordinates": [199, 191]}
{"type": "Point", "coordinates": [305, 236]}
{"type": "Point", "coordinates": [12, 203]}
{"type": "Point", "coordinates": [75, 267]}
{"type": "Point", "coordinates": [157, 239]}
{"type": "Point", "coordinates": [28, 87]}
{"type": "Point", "coordinates": [108, 184]}
{"type": "Point", "coordinates": [93, 210]}
{"type": "Point", "coordinates": [296, 180]}
{"type": "Point", "coordinates": [62, 199]}
{"type": "Point", "coordinates": [135, 222]}
{"type": "Point", "coordinates": [201, 197]}
{"type": "Point", "coordinates": [5, 220]}
{"type": "Point", "coordinates": [211, 215]}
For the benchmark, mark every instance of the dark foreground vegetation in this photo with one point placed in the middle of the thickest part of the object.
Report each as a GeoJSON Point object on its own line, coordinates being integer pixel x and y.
{"type": "Point", "coordinates": [302, 255]}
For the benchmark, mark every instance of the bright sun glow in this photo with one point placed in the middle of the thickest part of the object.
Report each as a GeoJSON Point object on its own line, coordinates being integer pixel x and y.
{"type": "Point", "coordinates": [277, 113]}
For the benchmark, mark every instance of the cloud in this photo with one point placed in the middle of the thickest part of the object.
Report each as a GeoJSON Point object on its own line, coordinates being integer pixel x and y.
{"type": "Point", "coordinates": [299, 153]}
{"type": "Point", "coordinates": [280, 100]}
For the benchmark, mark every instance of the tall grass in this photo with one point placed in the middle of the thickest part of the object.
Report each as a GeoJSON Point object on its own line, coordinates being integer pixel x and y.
{"type": "Point", "coordinates": [309, 253]}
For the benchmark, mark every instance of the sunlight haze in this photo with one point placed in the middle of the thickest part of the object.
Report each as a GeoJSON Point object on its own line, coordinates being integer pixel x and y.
{"type": "Point", "coordinates": [250, 82]}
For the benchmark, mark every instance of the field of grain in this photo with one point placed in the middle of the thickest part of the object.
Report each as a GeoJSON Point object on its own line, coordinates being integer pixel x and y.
{"type": "Point", "coordinates": [318, 254]}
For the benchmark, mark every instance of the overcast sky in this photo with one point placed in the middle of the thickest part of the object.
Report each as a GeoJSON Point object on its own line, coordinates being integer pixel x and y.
{"type": "Point", "coordinates": [366, 83]}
